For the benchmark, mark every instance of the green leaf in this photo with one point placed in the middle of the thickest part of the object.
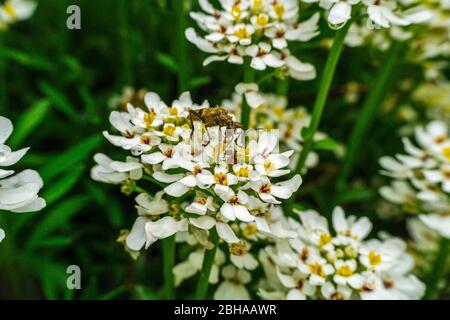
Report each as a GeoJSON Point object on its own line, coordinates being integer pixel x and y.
{"type": "Point", "coordinates": [29, 122]}
{"type": "Point", "coordinates": [325, 144]}
{"type": "Point", "coordinates": [55, 242]}
{"type": "Point", "coordinates": [26, 59]}
{"type": "Point", "coordinates": [167, 61]}
{"type": "Point", "coordinates": [70, 157]}
{"type": "Point", "coordinates": [59, 101]}
{"type": "Point", "coordinates": [63, 185]}
{"type": "Point", "coordinates": [355, 195]}
{"type": "Point", "coordinates": [113, 293]}
{"type": "Point", "coordinates": [57, 218]}
{"type": "Point", "coordinates": [199, 82]}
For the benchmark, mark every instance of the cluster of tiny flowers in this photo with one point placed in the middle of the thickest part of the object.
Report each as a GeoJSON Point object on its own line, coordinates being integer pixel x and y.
{"type": "Point", "coordinates": [15, 10]}
{"type": "Point", "coordinates": [317, 265]}
{"type": "Point", "coordinates": [378, 14]}
{"type": "Point", "coordinates": [421, 184]}
{"type": "Point", "coordinates": [270, 111]}
{"type": "Point", "coordinates": [209, 178]}
{"type": "Point", "coordinates": [18, 192]}
{"type": "Point", "coordinates": [235, 264]}
{"type": "Point", "coordinates": [257, 29]}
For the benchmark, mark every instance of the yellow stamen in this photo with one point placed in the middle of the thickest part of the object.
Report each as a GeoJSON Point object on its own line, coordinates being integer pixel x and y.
{"type": "Point", "coordinates": [221, 178]}
{"type": "Point", "coordinates": [317, 268]}
{"type": "Point", "coordinates": [262, 20]}
{"type": "Point", "coordinates": [446, 153]}
{"type": "Point", "coordinates": [148, 118]}
{"type": "Point", "coordinates": [243, 171]}
{"type": "Point", "coordinates": [169, 130]}
{"type": "Point", "coordinates": [325, 238]}
{"type": "Point", "coordinates": [10, 11]}
{"type": "Point", "coordinates": [236, 11]}
{"type": "Point", "coordinates": [249, 230]}
{"type": "Point", "coordinates": [242, 33]}
{"type": "Point", "coordinates": [374, 258]}
{"type": "Point", "coordinates": [279, 10]}
{"type": "Point", "coordinates": [344, 271]}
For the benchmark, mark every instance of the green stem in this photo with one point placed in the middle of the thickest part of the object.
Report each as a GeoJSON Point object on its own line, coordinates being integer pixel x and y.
{"type": "Point", "coordinates": [439, 269]}
{"type": "Point", "coordinates": [168, 245]}
{"type": "Point", "coordinates": [319, 104]}
{"type": "Point", "coordinates": [249, 77]}
{"type": "Point", "coordinates": [181, 46]}
{"type": "Point", "coordinates": [283, 86]}
{"type": "Point", "coordinates": [379, 89]}
{"type": "Point", "coordinates": [208, 260]}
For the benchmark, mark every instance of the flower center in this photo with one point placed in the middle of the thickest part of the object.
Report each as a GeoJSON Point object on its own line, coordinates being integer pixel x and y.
{"type": "Point", "coordinates": [265, 188]}
{"type": "Point", "coordinates": [249, 230]}
{"type": "Point", "coordinates": [238, 249]}
{"type": "Point", "coordinates": [173, 111]}
{"type": "Point", "coordinates": [242, 33]}
{"type": "Point", "coordinates": [324, 239]}
{"type": "Point", "coordinates": [201, 200]}
{"type": "Point", "coordinates": [269, 166]}
{"type": "Point", "coordinates": [168, 153]}
{"type": "Point", "coordinates": [374, 258]}
{"type": "Point", "coordinates": [169, 130]}
{"type": "Point", "coordinates": [145, 139]}
{"type": "Point", "coordinates": [279, 10]}
{"type": "Point", "coordinates": [262, 20]}
{"type": "Point", "coordinates": [9, 9]}
{"type": "Point", "coordinates": [236, 11]}
{"type": "Point", "coordinates": [243, 172]}
{"type": "Point", "coordinates": [446, 153]}
{"type": "Point", "coordinates": [197, 170]}
{"type": "Point", "coordinates": [148, 118]}
{"type": "Point", "coordinates": [317, 269]}
{"type": "Point", "coordinates": [344, 271]}
{"type": "Point", "coordinates": [221, 178]}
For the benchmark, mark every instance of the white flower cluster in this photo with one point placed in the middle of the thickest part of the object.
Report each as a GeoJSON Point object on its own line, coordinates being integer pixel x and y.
{"type": "Point", "coordinates": [421, 182]}
{"type": "Point", "coordinates": [270, 111]}
{"type": "Point", "coordinates": [258, 29]}
{"type": "Point", "coordinates": [318, 265]}
{"type": "Point", "coordinates": [209, 179]}
{"type": "Point", "coordinates": [379, 13]}
{"type": "Point", "coordinates": [12, 11]}
{"type": "Point", "coordinates": [435, 98]}
{"type": "Point", "coordinates": [19, 192]}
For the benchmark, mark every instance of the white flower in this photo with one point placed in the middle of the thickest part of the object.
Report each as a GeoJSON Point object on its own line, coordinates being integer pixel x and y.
{"type": "Point", "coordinates": [115, 172]}
{"type": "Point", "coordinates": [350, 227]}
{"type": "Point", "coordinates": [16, 10]}
{"type": "Point", "coordinates": [233, 286]}
{"type": "Point", "coordinates": [259, 29]}
{"type": "Point", "coordinates": [262, 56]}
{"type": "Point", "coordinates": [193, 265]}
{"type": "Point", "coordinates": [382, 14]}
{"type": "Point", "coordinates": [18, 192]}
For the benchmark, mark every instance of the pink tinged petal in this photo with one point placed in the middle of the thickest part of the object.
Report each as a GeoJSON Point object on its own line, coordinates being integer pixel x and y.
{"type": "Point", "coordinates": [215, 37]}
{"type": "Point", "coordinates": [176, 189]}
{"type": "Point", "coordinates": [227, 211]}
{"type": "Point", "coordinates": [226, 233]}
{"type": "Point", "coordinates": [6, 129]}
{"type": "Point", "coordinates": [433, 175]}
{"type": "Point", "coordinates": [283, 192]}
{"type": "Point", "coordinates": [235, 59]}
{"type": "Point", "coordinates": [203, 222]}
